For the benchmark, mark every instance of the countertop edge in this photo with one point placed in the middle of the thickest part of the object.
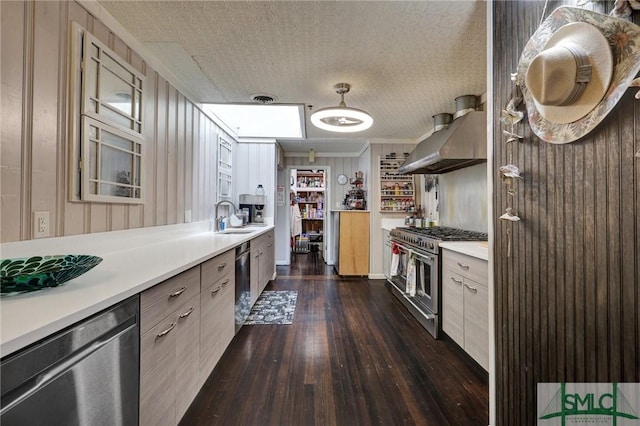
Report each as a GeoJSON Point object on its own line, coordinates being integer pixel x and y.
{"type": "Point", "coordinates": [169, 250]}
{"type": "Point", "coordinates": [470, 248]}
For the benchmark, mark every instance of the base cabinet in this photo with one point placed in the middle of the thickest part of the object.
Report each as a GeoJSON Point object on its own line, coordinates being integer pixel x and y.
{"type": "Point", "coordinates": [351, 230]}
{"type": "Point", "coordinates": [267, 260]}
{"type": "Point", "coordinates": [186, 324]}
{"type": "Point", "coordinates": [217, 310]}
{"type": "Point", "coordinates": [169, 349]}
{"type": "Point", "coordinates": [262, 263]}
{"type": "Point", "coordinates": [465, 304]}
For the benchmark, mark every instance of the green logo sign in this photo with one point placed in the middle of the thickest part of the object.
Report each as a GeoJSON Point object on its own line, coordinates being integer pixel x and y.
{"type": "Point", "coordinates": [614, 404]}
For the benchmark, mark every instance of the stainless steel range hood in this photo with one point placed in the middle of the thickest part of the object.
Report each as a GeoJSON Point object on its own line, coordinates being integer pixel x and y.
{"type": "Point", "coordinates": [462, 144]}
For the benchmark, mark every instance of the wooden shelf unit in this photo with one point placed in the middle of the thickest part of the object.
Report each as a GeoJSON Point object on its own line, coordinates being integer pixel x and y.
{"type": "Point", "coordinates": [397, 191]}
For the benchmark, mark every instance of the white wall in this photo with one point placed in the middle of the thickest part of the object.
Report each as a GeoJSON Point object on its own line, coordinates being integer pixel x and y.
{"type": "Point", "coordinates": [463, 198]}
{"type": "Point", "coordinates": [255, 164]}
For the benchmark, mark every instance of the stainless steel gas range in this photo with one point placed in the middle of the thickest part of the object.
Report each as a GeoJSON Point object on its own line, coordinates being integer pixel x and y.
{"type": "Point", "coordinates": [416, 280]}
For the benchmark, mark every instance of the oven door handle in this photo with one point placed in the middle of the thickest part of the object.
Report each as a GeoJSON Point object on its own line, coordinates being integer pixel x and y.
{"type": "Point", "coordinates": [431, 259]}
{"type": "Point", "coordinates": [421, 256]}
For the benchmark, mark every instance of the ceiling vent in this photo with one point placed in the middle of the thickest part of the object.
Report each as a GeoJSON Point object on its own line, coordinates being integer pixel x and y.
{"type": "Point", "coordinates": [263, 98]}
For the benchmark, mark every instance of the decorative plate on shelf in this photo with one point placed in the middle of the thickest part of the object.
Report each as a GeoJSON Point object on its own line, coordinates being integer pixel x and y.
{"type": "Point", "coordinates": [33, 273]}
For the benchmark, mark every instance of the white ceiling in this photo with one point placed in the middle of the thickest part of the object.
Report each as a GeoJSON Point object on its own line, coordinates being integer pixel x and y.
{"type": "Point", "coordinates": [405, 60]}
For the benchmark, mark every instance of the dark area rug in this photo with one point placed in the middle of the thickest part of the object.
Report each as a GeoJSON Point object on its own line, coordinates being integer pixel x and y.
{"type": "Point", "coordinates": [273, 307]}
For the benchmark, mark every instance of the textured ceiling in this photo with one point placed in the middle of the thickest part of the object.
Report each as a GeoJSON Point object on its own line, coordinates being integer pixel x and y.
{"type": "Point", "coordinates": [405, 60]}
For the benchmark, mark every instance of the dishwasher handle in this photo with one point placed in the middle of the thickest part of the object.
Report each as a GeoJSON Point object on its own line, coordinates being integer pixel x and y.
{"type": "Point", "coordinates": [30, 387]}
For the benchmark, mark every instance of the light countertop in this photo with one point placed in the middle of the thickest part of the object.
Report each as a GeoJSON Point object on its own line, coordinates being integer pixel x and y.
{"type": "Point", "coordinates": [133, 261]}
{"type": "Point", "coordinates": [479, 249]}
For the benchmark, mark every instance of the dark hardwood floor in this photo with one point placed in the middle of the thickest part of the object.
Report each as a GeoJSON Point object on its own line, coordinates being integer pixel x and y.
{"type": "Point", "coordinates": [353, 356]}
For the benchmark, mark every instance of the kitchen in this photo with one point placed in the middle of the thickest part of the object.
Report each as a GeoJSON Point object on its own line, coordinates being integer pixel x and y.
{"type": "Point", "coordinates": [31, 182]}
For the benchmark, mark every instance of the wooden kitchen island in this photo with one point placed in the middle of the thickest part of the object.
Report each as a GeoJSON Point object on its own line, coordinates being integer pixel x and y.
{"type": "Point", "coordinates": [351, 241]}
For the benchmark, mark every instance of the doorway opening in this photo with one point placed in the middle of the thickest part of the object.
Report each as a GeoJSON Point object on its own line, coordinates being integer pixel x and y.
{"type": "Point", "coordinates": [308, 214]}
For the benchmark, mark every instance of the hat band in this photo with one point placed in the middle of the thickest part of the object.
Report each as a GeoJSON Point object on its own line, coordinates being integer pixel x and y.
{"type": "Point", "coordinates": [583, 73]}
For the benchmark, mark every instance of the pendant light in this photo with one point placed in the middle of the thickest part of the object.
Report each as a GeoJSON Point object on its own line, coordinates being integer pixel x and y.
{"type": "Point", "coordinates": [341, 118]}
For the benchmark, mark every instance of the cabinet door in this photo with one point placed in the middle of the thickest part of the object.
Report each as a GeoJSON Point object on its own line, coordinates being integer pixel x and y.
{"type": "Point", "coordinates": [452, 306]}
{"type": "Point", "coordinates": [157, 373]}
{"type": "Point", "coordinates": [255, 273]}
{"type": "Point", "coordinates": [187, 355]}
{"type": "Point", "coordinates": [267, 261]}
{"type": "Point", "coordinates": [210, 306]}
{"type": "Point", "coordinates": [354, 243]}
{"type": "Point", "coordinates": [476, 322]}
{"type": "Point", "coordinates": [226, 317]}
{"type": "Point", "coordinates": [271, 262]}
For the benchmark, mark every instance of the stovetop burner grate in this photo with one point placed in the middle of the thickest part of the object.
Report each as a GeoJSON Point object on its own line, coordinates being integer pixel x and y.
{"type": "Point", "coordinates": [445, 233]}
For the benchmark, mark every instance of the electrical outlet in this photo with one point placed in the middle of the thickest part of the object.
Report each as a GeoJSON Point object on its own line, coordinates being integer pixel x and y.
{"type": "Point", "coordinates": [187, 216]}
{"type": "Point", "coordinates": [40, 224]}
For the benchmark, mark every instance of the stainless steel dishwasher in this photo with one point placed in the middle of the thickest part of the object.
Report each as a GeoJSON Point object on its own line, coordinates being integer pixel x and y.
{"type": "Point", "coordinates": [243, 283]}
{"type": "Point", "coordinates": [85, 375]}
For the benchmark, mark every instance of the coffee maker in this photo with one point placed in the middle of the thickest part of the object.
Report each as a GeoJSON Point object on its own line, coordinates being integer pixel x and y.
{"type": "Point", "coordinates": [255, 205]}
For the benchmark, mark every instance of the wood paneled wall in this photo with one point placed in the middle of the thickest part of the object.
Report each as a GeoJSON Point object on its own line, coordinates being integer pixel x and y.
{"type": "Point", "coordinates": [180, 138]}
{"type": "Point", "coordinates": [567, 299]}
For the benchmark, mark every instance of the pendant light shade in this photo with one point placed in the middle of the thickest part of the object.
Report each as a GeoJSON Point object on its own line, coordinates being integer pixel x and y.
{"type": "Point", "coordinates": [341, 118]}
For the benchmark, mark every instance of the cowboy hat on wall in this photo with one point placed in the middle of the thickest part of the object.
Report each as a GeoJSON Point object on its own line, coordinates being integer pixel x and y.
{"type": "Point", "coordinates": [574, 70]}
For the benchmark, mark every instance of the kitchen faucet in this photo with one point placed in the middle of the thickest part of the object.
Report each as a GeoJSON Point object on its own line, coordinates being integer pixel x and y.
{"type": "Point", "coordinates": [217, 228]}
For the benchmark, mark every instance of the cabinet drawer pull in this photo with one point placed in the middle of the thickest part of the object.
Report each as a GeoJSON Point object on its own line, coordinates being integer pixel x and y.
{"type": "Point", "coordinates": [186, 314]}
{"type": "Point", "coordinates": [214, 292]}
{"type": "Point", "coordinates": [167, 331]}
{"type": "Point", "coordinates": [178, 292]}
{"type": "Point", "coordinates": [225, 282]}
{"type": "Point", "coordinates": [462, 265]}
{"type": "Point", "coordinates": [221, 267]}
{"type": "Point", "coordinates": [473, 289]}
{"type": "Point", "coordinates": [457, 281]}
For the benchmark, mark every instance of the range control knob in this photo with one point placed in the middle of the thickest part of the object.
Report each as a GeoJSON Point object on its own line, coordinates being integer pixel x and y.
{"type": "Point", "coordinates": [431, 245]}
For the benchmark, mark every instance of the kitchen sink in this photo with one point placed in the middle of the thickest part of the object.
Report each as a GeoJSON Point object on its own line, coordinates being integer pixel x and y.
{"type": "Point", "coordinates": [236, 231]}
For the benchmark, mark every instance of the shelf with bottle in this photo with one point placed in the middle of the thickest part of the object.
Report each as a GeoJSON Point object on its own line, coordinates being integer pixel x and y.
{"type": "Point", "coordinates": [397, 205]}
{"type": "Point", "coordinates": [309, 197]}
{"type": "Point", "coordinates": [312, 214]}
{"type": "Point", "coordinates": [396, 188]}
{"type": "Point", "coordinates": [397, 191]}
{"type": "Point", "coordinates": [310, 182]}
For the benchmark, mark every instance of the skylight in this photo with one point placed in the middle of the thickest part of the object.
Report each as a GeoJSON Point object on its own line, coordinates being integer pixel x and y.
{"type": "Point", "coordinates": [261, 121]}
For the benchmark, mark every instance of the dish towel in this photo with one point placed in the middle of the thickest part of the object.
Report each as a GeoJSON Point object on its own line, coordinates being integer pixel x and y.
{"type": "Point", "coordinates": [395, 260]}
{"type": "Point", "coordinates": [296, 220]}
{"type": "Point", "coordinates": [411, 275]}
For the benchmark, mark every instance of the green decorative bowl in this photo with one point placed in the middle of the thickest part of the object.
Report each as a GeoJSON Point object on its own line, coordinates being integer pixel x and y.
{"type": "Point", "coordinates": [24, 274]}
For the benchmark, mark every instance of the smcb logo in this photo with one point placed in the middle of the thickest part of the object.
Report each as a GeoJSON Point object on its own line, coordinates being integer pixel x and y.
{"type": "Point", "coordinates": [616, 404]}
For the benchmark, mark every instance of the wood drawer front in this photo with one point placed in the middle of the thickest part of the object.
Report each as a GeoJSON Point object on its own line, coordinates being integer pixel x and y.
{"type": "Point", "coordinates": [227, 318]}
{"type": "Point", "coordinates": [187, 356]}
{"type": "Point", "coordinates": [467, 266]}
{"type": "Point", "coordinates": [217, 267]}
{"type": "Point", "coordinates": [215, 301]}
{"type": "Point", "coordinates": [159, 301]}
{"type": "Point", "coordinates": [157, 374]}
{"type": "Point", "coordinates": [268, 238]}
{"type": "Point", "coordinates": [259, 242]}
